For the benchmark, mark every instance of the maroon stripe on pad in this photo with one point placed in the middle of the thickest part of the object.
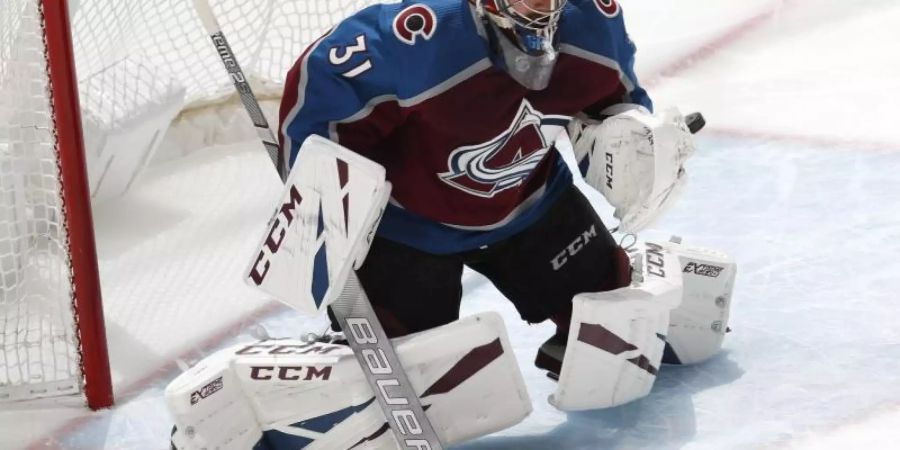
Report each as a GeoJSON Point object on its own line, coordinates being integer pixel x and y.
{"type": "Point", "coordinates": [468, 366]}
{"type": "Point", "coordinates": [599, 336]}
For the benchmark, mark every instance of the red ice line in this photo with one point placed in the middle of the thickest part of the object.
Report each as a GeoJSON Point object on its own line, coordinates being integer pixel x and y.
{"type": "Point", "coordinates": [728, 38]}
{"type": "Point", "coordinates": [811, 140]}
{"type": "Point", "coordinates": [705, 51]}
{"type": "Point", "coordinates": [211, 342]}
{"type": "Point", "coordinates": [702, 53]}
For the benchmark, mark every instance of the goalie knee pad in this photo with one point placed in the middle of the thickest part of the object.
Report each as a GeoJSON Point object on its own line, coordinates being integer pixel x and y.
{"type": "Point", "coordinates": [676, 312]}
{"type": "Point", "coordinates": [550, 354]}
{"type": "Point", "coordinates": [698, 326]}
{"type": "Point", "coordinates": [616, 338]}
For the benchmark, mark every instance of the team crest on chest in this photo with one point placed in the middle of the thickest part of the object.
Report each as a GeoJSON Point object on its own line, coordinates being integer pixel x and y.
{"type": "Point", "coordinates": [506, 161]}
{"type": "Point", "coordinates": [609, 8]}
{"type": "Point", "coordinates": [414, 22]}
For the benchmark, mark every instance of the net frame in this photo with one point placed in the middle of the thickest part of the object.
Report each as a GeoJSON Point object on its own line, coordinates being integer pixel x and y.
{"type": "Point", "coordinates": [57, 124]}
{"type": "Point", "coordinates": [141, 63]}
{"type": "Point", "coordinates": [77, 205]}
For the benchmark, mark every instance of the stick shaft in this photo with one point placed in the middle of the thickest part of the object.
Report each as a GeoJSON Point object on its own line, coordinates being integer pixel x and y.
{"type": "Point", "coordinates": [370, 344]}
{"type": "Point", "coordinates": [223, 48]}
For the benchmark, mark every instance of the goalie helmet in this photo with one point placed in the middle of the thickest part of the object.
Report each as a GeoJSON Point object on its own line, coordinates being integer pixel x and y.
{"type": "Point", "coordinates": [533, 23]}
{"type": "Point", "coordinates": [522, 36]}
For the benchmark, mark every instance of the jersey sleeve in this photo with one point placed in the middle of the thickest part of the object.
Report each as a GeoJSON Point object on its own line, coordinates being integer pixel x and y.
{"type": "Point", "coordinates": [627, 56]}
{"type": "Point", "coordinates": [600, 29]}
{"type": "Point", "coordinates": [341, 88]}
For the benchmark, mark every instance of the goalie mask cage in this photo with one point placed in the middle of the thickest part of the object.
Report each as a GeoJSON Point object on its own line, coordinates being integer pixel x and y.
{"type": "Point", "coordinates": [142, 65]}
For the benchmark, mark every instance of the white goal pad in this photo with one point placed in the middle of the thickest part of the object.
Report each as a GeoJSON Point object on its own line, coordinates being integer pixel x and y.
{"type": "Point", "coordinates": [617, 338]}
{"type": "Point", "coordinates": [698, 326]}
{"type": "Point", "coordinates": [280, 394]}
{"type": "Point", "coordinates": [322, 227]}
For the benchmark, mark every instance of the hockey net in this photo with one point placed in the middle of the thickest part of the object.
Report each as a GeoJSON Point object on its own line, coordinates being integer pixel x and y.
{"type": "Point", "coordinates": [142, 66]}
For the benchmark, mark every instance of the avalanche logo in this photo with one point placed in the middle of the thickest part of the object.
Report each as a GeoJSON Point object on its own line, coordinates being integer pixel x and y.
{"type": "Point", "coordinates": [609, 8]}
{"type": "Point", "coordinates": [413, 22]}
{"type": "Point", "coordinates": [506, 161]}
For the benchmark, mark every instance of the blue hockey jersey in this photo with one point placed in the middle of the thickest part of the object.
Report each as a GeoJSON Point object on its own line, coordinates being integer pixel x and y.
{"type": "Point", "coordinates": [469, 151]}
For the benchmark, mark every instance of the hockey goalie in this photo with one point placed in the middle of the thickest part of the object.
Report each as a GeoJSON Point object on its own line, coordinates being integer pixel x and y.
{"type": "Point", "coordinates": [421, 138]}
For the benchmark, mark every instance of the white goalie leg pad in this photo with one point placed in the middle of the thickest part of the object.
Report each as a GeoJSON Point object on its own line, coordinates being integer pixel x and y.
{"type": "Point", "coordinates": [467, 377]}
{"type": "Point", "coordinates": [616, 338]}
{"type": "Point", "coordinates": [697, 327]}
{"type": "Point", "coordinates": [210, 408]}
{"type": "Point", "coordinates": [314, 396]}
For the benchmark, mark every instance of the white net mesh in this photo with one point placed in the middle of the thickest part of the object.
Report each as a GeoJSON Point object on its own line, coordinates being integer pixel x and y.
{"type": "Point", "coordinates": [139, 63]}
{"type": "Point", "coordinates": [166, 38]}
{"type": "Point", "coordinates": [38, 352]}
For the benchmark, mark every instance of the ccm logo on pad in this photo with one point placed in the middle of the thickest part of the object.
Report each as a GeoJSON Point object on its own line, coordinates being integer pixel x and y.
{"type": "Point", "coordinates": [290, 373]}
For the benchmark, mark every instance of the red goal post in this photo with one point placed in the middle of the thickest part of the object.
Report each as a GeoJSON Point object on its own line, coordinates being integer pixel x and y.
{"type": "Point", "coordinates": [53, 336]}
{"type": "Point", "coordinates": [147, 80]}
{"type": "Point", "coordinates": [77, 204]}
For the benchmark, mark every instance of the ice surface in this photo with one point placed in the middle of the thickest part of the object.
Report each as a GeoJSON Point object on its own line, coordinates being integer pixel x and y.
{"type": "Point", "coordinates": [796, 177]}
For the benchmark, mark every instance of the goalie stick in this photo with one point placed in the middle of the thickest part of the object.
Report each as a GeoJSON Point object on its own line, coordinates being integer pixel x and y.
{"type": "Point", "coordinates": [375, 353]}
{"type": "Point", "coordinates": [242, 85]}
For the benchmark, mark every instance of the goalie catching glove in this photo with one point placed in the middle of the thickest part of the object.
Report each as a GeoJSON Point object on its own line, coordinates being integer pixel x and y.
{"type": "Point", "coordinates": [635, 159]}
